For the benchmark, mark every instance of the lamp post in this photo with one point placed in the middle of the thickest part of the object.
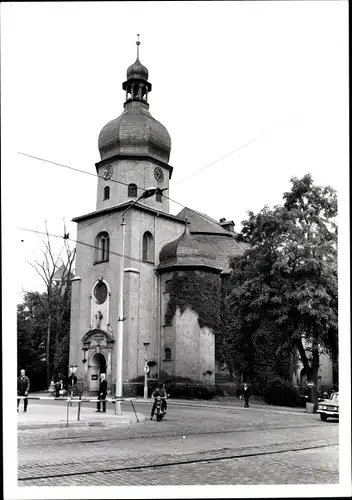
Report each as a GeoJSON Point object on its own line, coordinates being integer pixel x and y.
{"type": "Point", "coordinates": [119, 344]}
{"type": "Point", "coordinates": [73, 369]}
{"type": "Point", "coordinates": [146, 369]}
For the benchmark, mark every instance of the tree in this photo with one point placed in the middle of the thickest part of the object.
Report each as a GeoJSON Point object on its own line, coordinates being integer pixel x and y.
{"type": "Point", "coordinates": [56, 273]}
{"type": "Point", "coordinates": [31, 338]}
{"type": "Point", "coordinates": [288, 275]}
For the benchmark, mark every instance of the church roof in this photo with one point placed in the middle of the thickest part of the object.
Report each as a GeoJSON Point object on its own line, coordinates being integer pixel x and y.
{"type": "Point", "coordinates": [137, 71]}
{"type": "Point", "coordinates": [201, 223]}
{"type": "Point", "coordinates": [122, 206]}
{"type": "Point", "coordinates": [224, 248]}
{"type": "Point", "coordinates": [209, 232]}
{"type": "Point", "coordinates": [135, 132]}
{"type": "Point", "coordinates": [187, 251]}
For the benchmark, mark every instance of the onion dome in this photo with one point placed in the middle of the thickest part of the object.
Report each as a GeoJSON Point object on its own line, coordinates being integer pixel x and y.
{"type": "Point", "coordinates": [187, 251]}
{"type": "Point", "coordinates": [137, 71]}
{"type": "Point", "coordinates": [135, 132]}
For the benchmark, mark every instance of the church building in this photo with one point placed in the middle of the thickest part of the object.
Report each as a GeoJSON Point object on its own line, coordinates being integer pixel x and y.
{"type": "Point", "coordinates": [134, 156]}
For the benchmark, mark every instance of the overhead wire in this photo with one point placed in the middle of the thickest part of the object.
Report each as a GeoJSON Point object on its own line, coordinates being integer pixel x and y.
{"type": "Point", "coordinates": [222, 157]}
{"type": "Point", "coordinates": [66, 237]}
{"type": "Point", "coordinates": [73, 168]}
{"type": "Point", "coordinates": [234, 150]}
{"type": "Point", "coordinates": [111, 180]}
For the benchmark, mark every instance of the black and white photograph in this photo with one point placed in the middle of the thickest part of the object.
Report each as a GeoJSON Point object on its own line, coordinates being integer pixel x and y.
{"type": "Point", "coordinates": [175, 249]}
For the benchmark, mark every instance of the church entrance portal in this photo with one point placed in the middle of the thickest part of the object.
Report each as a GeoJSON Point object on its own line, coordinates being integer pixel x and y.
{"type": "Point", "coordinates": [97, 366]}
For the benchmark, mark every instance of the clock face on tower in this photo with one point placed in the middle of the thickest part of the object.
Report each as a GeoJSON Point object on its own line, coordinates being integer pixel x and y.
{"type": "Point", "coordinates": [158, 174]}
{"type": "Point", "coordinates": [107, 172]}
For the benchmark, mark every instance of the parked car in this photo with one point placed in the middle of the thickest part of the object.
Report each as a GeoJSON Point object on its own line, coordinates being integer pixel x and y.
{"type": "Point", "coordinates": [329, 407]}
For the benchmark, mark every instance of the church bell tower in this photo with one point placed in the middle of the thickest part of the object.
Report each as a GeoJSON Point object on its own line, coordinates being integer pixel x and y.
{"type": "Point", "coordinates": [134, 148]}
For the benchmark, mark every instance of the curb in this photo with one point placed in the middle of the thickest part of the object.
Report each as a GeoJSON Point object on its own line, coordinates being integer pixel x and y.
{"type": "Point", "coordinates": [92, 423]}
{"type": "Point", "coordinates": [281, 409]}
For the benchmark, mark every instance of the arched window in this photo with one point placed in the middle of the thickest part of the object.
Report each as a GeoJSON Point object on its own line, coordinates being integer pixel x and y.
{"type": "Point", "coordinates": [148, 247]}
{"type": "Point", "coordinates": [106, 193]}
{"type": "Point", "coordinates": [132, 190]}
{"type": "Point", "coordinates": [159, 197]}
{"type": "Point", "coordinates": [102, 243]}
{"type": "Point", "coordinates": [167, 354]}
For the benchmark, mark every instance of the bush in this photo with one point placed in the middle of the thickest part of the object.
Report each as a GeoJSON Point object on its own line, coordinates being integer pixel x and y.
{"type": "Point", "coordinates": [188, 391]}
{"type": "Point", "coordinates": [227, 389]}
{"type": "Point", "coordinates": [180, 387]}
{"type": "Point", "coordinates": [280, 392]}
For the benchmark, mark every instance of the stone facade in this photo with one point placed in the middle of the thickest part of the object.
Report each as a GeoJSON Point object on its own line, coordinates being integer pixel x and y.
{"type": "Point", "coordinates": [135, 150]}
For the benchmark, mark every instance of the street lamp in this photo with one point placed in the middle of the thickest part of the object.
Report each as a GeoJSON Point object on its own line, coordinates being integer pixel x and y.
{"type": "Point", "coordinates": [73, 369]}
{"type": "Point", "coordinates": [146, 369]}
{"type": "Point", "coordinates": [119, 347]}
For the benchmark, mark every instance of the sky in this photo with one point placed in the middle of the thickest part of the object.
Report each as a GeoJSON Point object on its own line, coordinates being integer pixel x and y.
{"type": "Point", "coordinates": [259, 88]}
{"type": "Point", "coordinates": [256, 90]}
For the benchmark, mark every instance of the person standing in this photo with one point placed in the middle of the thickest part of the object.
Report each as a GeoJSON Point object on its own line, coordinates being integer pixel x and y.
{"type": "Point", "coordinates": [72, 381]}
{"type": "Point", "coordinates": [57, 389]}
{"type": "Point", "coordinates": [23, 385]}
{"type": "Point", "coordinates": [103, 390]}
{"type": "Point", "coordinates": [246, 394]}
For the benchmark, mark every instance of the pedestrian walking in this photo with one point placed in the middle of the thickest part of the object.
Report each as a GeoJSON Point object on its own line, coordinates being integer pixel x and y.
{"type": "Point", "coordinates": [246, 392]}
{"type": "Point", "coordinates": [52, 388]}
{"type": "Point", "coordinates": [103, 390]}
{"type": "Point", "coordinates": [23, 385]}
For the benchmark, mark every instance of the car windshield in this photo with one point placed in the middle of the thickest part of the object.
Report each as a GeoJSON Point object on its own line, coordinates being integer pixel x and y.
{"type": "Point", "coordinates": [335, 397]}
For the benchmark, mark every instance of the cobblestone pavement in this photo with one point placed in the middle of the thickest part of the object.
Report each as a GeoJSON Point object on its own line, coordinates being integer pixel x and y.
{"type": "Point", "coordinates": [188, 434]}
{"type": "Point", "coordinates": [287, 468]}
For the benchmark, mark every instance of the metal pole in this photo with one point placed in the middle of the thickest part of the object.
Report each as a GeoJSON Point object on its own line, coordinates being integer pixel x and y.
{"type": "Point", "coordinates": [145, 384]}
{"type": "Point", "coordinates": [79, 408]}
{"type": "Point", "coordinates": [119, 343]}
{"type": "Point", "coordinates": [68, 409]}
{"type": "Point", "coordinates": [135, 411]}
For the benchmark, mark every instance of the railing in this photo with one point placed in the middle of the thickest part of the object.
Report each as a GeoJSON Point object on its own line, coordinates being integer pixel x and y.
{"type": "Point", "coordinates": [69, 400]}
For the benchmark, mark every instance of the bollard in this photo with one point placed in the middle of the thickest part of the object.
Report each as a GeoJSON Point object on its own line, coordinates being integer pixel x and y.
{"type": "Point", "coordinates": [79, 408]}
{"type": "Point", "coordinates": [68, 409]}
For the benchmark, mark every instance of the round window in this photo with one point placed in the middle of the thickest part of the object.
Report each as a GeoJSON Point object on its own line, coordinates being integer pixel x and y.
{"type": "Point", "coordinates": [100, 293]}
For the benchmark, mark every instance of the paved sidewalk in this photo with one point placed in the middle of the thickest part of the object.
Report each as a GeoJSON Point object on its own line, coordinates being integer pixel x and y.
{"type": "Point", "coordinates": [55, 415]}
{"type": "Point", "coordinates": [222, 403]}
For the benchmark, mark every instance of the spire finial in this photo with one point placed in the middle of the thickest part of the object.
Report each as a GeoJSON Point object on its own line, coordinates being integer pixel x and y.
{"type": "Point", "coordinates": [138, 44]}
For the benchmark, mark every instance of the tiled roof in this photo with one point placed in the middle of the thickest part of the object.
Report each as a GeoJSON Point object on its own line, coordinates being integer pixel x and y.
{"type": "Point", "coordinates": [201, 223]}
{"type": "Point", "coordinates": [187, 251]}
{"type": "Point", "coordinates": [209, 232]}
{"type": "Point", "coordinates": [224, 248]}
{"type": "Point", "coordinates": [135, 132]}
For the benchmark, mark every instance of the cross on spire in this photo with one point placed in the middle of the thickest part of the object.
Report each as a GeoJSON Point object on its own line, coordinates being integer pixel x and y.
{"type": "Point", "coordinates": [138, 44]}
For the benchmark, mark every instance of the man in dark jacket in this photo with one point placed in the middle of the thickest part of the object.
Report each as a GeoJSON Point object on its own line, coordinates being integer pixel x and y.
{"type": "Point", "coordinates": [246, 394]}
{"type": "Point", "coordinates": [157, 392]}
{"type": "Point", "coordinates": [23, 389]}
{"type": "Point", "coordinates": [103, 390]}
{"type": "Point", "coordinates": [72, 381]}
